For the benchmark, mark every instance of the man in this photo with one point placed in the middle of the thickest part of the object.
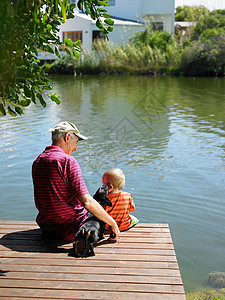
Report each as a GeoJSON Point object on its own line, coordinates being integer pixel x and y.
{"type": "Point", "coordinates": [60, 193]}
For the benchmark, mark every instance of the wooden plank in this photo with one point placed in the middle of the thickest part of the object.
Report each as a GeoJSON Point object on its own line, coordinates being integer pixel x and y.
{"type": "Point", "coordinates": [141, 265]}
{"type": "Point", "coordinates": [86, 262]}
{"type": "Point", "coordinates": [68, 294]}
{"type": "Point", "coordinates": [113, 257]}
{"type": "Point", "coordinates": [94, 270]}
{"type": "Point", "coordinates": [157, 279]}
{"type": "Point", "coordinates": [96, 286]}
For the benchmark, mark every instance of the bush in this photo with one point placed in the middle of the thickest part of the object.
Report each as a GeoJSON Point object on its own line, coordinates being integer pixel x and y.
{"type": "Point", "coordinates": [64, 65]}
{"type": "Point", "coordinates": [204, 57]}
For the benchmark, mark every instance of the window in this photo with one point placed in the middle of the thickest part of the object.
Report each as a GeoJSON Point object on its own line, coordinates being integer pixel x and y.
{"type": "Point", "coordinates": [73, 35]}
{"type": "Point", "coordinates": [111, 2]}
{"type": "Point", "coordinates": [158, 26]}
{"type": "Point", "coordinates": [97, 34]}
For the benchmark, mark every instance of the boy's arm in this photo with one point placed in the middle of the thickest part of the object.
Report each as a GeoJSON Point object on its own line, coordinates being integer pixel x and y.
{"type": "Point", "coordinates": [132, 205]}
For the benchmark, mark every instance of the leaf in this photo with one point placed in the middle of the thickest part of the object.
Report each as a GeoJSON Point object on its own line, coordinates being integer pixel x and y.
{"type": "Point", "coordinates": [33, 95]}
{"type": "Point", "coordinates": [56, 7]}
{"type": "Point", "coordinates": [75, 53]}
{"type": "Point", "coordinates": [49, 49]}
{"type": "Point", "coordinates": [25, 102]}
{"type": "Point", "coordinates": [49, 27]}
{"type": "Point", "coordinates": [27, 91]}
{"type": "Point", "coordinates": [104, 3]}
{"type": "Point", "coordinates": [68, 42]}
{"type": "Point", "coordinates": [19, 110]}
{"type": "Point", "coordinates": [55, 98]}
{"type": "Point", "coordinates": [77, 43]}
{"type": "Point", "coordinates": [41, 99]}
{"type": "Point", "coordinates": [105, 15]}
{"type": "Point", "coordinates": [101, 10]}
{"type": "Point", "coordinates": [67, 51]}
{"type": "Point", "coordinates": [110, 29]}
{"type": "Point", "coordinates": [2, 110]}
{"type": "Point", "coordinates": [47, 87]}
{"type": "Point", "coordinates": [109, 21]}
{"type": "Point", "coordinates": [11, 112]}
{"type": "Point", "coordinates": [72, 6]}
{"type": "Point", "coordinates": [99, 24]}
{"type": "Point", "coordinates": [63, 5]}
{"type": "Point", "coordinates": [57, 52]}
{"type": "Point", "coordinates": [37, 61]}
{"type": "Point", "coordinates": [70, 15]}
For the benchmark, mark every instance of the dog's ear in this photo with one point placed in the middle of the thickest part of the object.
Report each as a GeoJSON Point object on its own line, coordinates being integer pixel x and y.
{"type": "Point", "coordinates": [106, 187]}
{"type": "Point", "coordinates": [99, 193]}
{"type": "Point", "coordinates": [100, 196]}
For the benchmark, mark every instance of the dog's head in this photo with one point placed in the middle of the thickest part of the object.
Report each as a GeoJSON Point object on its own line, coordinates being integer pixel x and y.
{"type": "Point", "coordinates": [101, 196]}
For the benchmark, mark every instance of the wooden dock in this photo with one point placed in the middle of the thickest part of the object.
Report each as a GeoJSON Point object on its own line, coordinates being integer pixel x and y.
{"type": "Point", "coordinates": [141, 265]}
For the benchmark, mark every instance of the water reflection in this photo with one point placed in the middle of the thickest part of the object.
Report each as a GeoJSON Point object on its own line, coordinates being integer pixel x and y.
{"type": "Point", "coordinates": [167, 134]}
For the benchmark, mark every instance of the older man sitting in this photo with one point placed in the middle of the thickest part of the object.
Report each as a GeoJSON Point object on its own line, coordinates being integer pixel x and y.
{"type": "Point", "coordinates": [60, 193]}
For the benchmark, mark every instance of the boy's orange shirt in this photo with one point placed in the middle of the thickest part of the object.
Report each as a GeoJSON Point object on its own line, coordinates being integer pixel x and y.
{"type": "Point", "coordinates": [122, 203]}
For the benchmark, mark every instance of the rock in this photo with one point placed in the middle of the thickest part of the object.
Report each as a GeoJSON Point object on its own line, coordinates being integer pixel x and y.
{"type": "Point", "coordinates": [217, 280]}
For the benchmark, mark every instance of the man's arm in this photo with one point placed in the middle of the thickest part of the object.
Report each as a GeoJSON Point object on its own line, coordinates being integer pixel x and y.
{"type": "Point", "coordinates": [98, 211]}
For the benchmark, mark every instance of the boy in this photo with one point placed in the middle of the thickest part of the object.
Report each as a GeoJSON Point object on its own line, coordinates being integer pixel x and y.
{"type": "Point", "coordinates": [122, 202]}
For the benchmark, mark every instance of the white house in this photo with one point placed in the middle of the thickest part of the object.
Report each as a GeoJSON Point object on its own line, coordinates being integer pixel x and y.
{"type": "Point", "coordinates": [130, 17]}
{"type": "Point", "coordinates": [161, 12]}
{"type": "Point", "coordinates": [83, 28]}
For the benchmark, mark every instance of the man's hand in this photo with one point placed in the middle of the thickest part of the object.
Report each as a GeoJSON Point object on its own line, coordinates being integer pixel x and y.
{"type": "Point", "coordinates": [114, 233]}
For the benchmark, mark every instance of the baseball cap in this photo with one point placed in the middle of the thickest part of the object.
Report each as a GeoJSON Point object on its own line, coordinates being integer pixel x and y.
{"type": "Point", "coordinates": [66, 126]}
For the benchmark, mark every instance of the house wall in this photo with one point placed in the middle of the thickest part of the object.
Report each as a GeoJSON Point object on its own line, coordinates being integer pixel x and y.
{"type": "Point", "coordinates": [121, 34]}
{"type": "Point", "coordinates": [136, 9]}
{"type": "Point", "coordinates": [79, 24]}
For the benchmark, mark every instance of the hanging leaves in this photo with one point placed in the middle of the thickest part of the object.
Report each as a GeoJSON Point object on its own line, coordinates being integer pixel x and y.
{"type": "Point", "coordinates": [29, 26]}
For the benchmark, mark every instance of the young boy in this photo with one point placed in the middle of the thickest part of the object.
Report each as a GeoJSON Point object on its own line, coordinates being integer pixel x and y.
{"type": "Point", "coordinates": [122, 202]}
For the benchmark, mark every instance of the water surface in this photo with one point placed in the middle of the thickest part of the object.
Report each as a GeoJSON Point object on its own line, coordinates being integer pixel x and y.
{"type": "Point", "coordinates": [168, 136]}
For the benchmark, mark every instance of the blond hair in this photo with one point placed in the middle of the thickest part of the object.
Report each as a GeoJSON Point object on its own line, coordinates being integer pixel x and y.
{"type": "Point", "coordinates": [116, 177]}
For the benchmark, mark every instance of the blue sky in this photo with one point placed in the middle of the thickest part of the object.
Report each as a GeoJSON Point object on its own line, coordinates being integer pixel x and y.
{"type": "Point", "coordinates": [210, 4]}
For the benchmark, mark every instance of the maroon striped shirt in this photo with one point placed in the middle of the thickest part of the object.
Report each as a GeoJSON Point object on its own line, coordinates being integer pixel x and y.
{"type": "Point", "coordinates": [58, 184]}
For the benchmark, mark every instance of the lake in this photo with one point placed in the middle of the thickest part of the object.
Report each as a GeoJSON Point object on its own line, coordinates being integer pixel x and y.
{"type": "Point", "coordinates": [167, 135]}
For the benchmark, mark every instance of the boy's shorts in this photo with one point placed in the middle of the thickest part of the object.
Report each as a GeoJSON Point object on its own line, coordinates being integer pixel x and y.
{"type": "Point", "coordinates": [134, 221]}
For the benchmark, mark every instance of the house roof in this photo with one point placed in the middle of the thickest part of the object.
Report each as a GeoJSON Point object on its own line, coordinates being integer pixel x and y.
{"type": "Point", "coordinates": [184, 24]}
{"type": "Point", "coordinates": [117, 21]}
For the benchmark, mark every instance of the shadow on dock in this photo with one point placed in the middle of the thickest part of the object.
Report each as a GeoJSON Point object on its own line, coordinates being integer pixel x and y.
{"type": "Point", "coordinates": [33, 240]}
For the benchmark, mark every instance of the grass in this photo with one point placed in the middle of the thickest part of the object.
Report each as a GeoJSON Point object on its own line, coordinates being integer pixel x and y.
{"type": "Point", "coordinates": [213, 294]}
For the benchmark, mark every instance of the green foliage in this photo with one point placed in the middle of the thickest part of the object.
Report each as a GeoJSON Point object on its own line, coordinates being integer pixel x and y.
{"type": "Point", "coordinates": [64, 65]}
{"type": "Point", "coordinates": [28, 25]}
{"type": "Point", "coordinates": [207, 295]}
{"type": "Point", "coordinates": [212, 20]}
{"type": "Point", "coordinates": [128, 59]}
{"type": "Point", "coordinates": [190, 13]}
{"type": "Point", "coordinates": [205, 57]}
{"type": "Point", "coordinates": [203, 50]}
{"type": "Point", "coordinates": [158, 52]}
{"type": "Point", "coordinates": [161, 40]}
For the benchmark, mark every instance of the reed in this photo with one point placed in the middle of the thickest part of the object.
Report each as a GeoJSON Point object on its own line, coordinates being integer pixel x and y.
{"type": "Point", "coordinates": [129, 59]}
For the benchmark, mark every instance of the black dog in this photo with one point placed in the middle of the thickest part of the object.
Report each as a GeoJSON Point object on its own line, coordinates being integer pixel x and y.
{"type": "Point", "coordinates": [91, 231]}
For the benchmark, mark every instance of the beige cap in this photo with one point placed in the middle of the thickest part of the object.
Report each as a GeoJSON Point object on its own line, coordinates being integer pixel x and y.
{"type": "Point", "coordinates": [67, 127]}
